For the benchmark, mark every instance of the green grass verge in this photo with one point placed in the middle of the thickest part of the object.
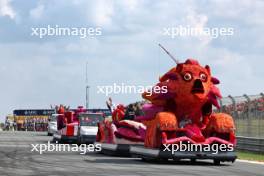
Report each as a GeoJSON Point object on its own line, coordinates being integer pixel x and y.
{"type": "Point", "coordinates": [250, 127]}
{"type": "Point", "coordinates": [250, 156]}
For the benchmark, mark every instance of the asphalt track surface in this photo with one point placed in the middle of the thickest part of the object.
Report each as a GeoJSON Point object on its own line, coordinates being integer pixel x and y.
{"type": "Point", "coordinates": [16, 158]}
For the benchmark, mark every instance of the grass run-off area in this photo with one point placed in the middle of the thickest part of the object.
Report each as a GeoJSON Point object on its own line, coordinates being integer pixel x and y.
{"type": "Point", "coordinates": [250, 156]}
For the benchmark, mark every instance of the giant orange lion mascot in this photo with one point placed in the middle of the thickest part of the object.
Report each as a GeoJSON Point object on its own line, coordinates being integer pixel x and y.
{"type": "Point", "coordinates": [182, 113]}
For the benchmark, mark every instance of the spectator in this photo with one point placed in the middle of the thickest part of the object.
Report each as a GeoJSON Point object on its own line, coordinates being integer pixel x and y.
{"type": "Point", "coordinates": [15, 125]}
{"type": "Point", "coordinates": [130, 113]}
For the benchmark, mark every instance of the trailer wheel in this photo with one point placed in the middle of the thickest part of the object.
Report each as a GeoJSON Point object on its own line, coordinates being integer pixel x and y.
{"type": "Point", "coordinates": [193, 161]}
{"type": "Point", "coordinates": [143, 159]}
{"type": "Point", "coordinates": [164, 159]}
{"type": "Point", "coordinates": [176, 160]}
{"type": "Point", "coordinates": [146, 159]}
{"type": "Point", "coordinates": [55, 140]}
{"type": "Point", "coordinates": [217, 162]}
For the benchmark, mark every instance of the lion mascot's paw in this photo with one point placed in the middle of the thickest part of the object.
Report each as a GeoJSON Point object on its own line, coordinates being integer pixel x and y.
{"type": "Point", "coordinates": [221, 123]}
{"type": "Point", "coordinates": [164, 121]}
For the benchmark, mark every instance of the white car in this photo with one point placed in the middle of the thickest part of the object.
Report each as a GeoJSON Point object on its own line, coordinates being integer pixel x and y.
{"type": "Point", "coordinates": [52, 124]}
{"type": "Point", "coordinates": [88, 127]}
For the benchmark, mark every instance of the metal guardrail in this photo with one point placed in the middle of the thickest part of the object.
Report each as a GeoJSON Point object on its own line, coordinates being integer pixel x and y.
{"type": "Point", "coordinates": [250, 144]}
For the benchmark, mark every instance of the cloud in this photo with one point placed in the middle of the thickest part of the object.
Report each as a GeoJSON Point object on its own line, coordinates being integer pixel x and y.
{"type": "Point", "coordinates": [37, 12]}
{"type": "Point", "coordinates": [130, 4]}
{"type": "Point", "coordinates": [6, 9]}
{"type": "Point", "coordinates": [103, 12]}
{"type": "Point", "coordinates": [199, 22]}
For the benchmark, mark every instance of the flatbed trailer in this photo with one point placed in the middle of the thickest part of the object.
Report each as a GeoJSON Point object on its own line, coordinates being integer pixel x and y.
{"type": "Point", "coordinates": [148, 154]}
{"type": "Point", "coordinates": [159, 154]}
{"type": "Point", "coordinates": [122, 150]}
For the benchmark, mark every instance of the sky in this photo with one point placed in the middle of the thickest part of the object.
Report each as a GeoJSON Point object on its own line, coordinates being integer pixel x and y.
{"type": "Point", "coordinates": [39, 72]}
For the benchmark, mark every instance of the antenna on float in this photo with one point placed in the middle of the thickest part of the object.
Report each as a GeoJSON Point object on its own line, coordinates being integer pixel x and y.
{"type": "Point", "coordinates": [171, 56]}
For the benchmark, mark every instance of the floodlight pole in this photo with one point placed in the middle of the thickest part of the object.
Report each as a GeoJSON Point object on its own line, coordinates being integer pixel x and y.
{"type": "Point", "coordinates": [87, 87]}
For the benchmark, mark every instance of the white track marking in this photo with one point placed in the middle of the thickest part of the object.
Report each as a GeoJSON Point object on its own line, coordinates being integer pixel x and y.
{"type": "Point", "coordinates": [251, 162]}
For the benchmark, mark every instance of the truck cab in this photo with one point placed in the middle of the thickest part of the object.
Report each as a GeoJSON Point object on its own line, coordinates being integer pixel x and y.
{"type": "Point", "coordinates": [88, 126]}
{"type": "Point", "coordinates": [52, 124]}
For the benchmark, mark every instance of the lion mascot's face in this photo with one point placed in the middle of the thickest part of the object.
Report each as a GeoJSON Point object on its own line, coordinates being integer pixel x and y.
{"type": "Point", "coordinates": [193, 82]}
{"type": "Point", "coordinates": [187, 83]}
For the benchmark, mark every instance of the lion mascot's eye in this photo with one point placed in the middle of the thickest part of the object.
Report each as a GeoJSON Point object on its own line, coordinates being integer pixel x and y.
{"type": "Point", "coordinates": [187, 76]}
{"type": "Point", "coordinates": [203, 77]}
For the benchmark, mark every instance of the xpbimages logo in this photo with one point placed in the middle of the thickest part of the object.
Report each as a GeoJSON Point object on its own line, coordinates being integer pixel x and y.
{"type": "Point", "coordinates": [183, 31]}
{"type": "Point", "coordinates": [82, 32]}
{"type": "Point", "coordinates": [189, 147]}
{"type": "Point", "coordinates": [51, 147]}
{"type": "Point", "coordinates": [131, 89]}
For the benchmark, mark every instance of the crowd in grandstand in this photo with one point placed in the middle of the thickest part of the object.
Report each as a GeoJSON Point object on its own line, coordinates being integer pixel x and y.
{"type": "Point", "coordinates": [29, 124]}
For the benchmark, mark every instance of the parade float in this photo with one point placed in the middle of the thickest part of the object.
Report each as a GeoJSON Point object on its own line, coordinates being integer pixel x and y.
{"type": "Point", "coordinates": [77, 125]}
{"type": "Point", "coordinates": [182, 116]}
{"type": "Point", "coordinates": [67, 124]}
